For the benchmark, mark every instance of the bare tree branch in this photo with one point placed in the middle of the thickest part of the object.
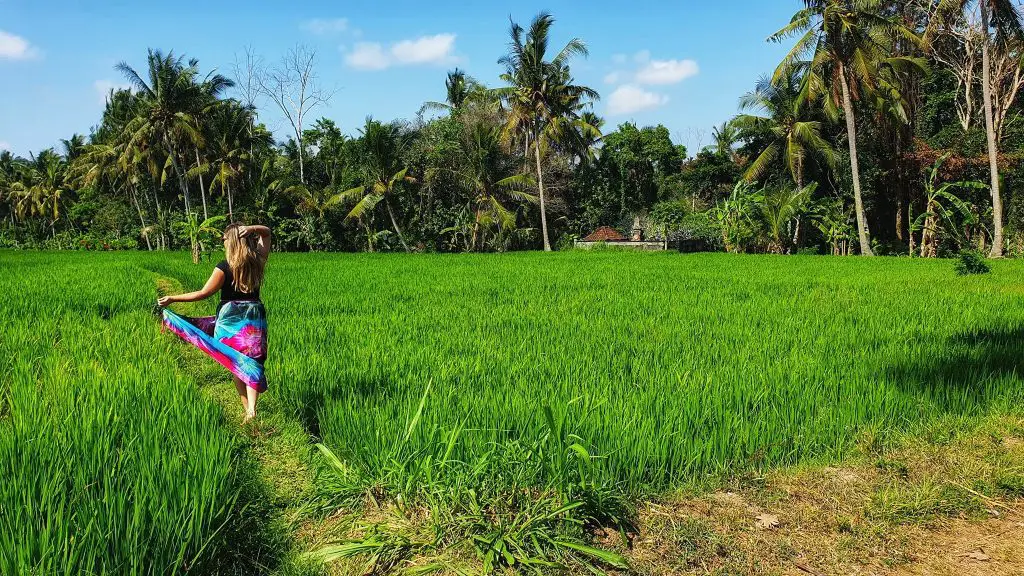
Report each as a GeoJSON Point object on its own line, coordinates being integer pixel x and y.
{"type": "Point", "coordinates": [292, 85]}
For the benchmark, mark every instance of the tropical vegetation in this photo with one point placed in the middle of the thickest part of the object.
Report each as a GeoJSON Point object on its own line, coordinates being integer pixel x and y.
{"type": "Point", "coordinates": [867, 99]}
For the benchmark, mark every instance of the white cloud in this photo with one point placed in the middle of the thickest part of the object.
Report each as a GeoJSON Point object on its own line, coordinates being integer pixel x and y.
{"type": "Point", "coordinates": [5, 145]}
{"type": "Point", "coordinates": [15, 47]}
{"type": "Point", "coordinates": [629, 98]}
{"type": "Point", "coordinates": [619, 58]}
{"type": "Point", "coordinates": [103, 88]}
{"type": "Point", "coordinates": [666, 71]}
{"type": "Point", "coordinates": [642, 56]}
{"type": "Point", "coordinates": [322, 26]}
{"type": "Point", "coordinates": [437, 49]}
{"type": "Point", "coordinates": [613, 78]}
{"type": "Point", "coordinates": [367, 56]}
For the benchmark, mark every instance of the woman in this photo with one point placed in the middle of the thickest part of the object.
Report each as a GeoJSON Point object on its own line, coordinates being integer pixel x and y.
{"type": "Point", "coordinates": [237, 336]}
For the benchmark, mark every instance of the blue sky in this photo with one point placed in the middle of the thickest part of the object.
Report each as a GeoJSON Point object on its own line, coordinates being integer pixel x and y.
{"type": "Point", "coordinates": [683, 64]}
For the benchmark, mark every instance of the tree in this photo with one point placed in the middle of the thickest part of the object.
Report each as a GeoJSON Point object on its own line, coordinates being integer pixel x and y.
{"type": "Point", "coordinates": [636, 162]}
{"type": "Point", "coordinates": [1000, 22]}
{"type": "Point", "coordinates": [100, 163]}
{"type": "Point", "coordinates": [168, 101]}
{"type": "Point", "coordinates": [460, 89]}
{"type": "Point", "coordinates": [543, 104]}
{"type": "Point", "coordinates": [841, 47]}
{"type": "Point", "coordinates": [791, 135]}
{"type": "Point", "coordinates": [781, 212]}
{"type": "Point", "coordinates": [292, 86]}
{"type": "Point", "coordinates": [230, 125]}
{"type": "Point", "coordinates": [383, 173]}
{"type": "Point", "coordinates": [196, 231]}
{"type": "Point", "coordinates": [726, 135]}
{"type": "Point", "coordinates": [490, 173]}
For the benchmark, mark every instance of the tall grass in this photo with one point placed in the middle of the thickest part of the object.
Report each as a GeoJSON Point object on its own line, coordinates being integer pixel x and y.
{"type": "Point", "coordinates": [663, 368]}
{"type": "Point", "coordinates": [111, 462]}
{"type": "Point", "coordinates": [520, 397]}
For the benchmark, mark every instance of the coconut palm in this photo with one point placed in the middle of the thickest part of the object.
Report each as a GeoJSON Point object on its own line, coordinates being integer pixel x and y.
{"type": "Point", "coordinates": [168, 101]}
{"type": "Point", "coordinates": [383, 173]}
{"type": "Point", "coordinates": [792, 136]}
{"type": "Point", "coordinates": [73, 147]}
{"type": "Point", "coordinates": [232, 141]}
{"type": "Point", "coordinates": [102, 163]}
{"type": "Point", "coordinates": [725, 136]}
{"type": "Point", "coordinates": [843, 45]}
{"type": "Point", "coordinates": [48, 185]}
{"type": "Point", "coordinates": [459, 90]}
{"type": "Point", "coordinates": [1000, 21]}
{"type": "Point", "coordinates": [491, 173]}
{"type": "Point", "coordinates": [781, 211]}
{"type": "Point", "coordinates": [544, 105]}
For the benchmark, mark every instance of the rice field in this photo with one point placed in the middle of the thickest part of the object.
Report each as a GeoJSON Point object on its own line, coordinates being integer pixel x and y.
{"type": "Point", "coordinates": [596, 375]}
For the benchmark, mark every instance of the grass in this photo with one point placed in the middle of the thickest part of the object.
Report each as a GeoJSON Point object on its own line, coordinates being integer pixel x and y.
{"type": "Point", "coordinates": [111, 463]}
{"type": "Point", "coordinates": [504, 410]}
{"type": "Point", "coordinates": [922, 510]}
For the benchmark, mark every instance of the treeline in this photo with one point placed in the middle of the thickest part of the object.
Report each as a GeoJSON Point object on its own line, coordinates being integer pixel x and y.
{"type": "Point", "coordinates": [889, 128]}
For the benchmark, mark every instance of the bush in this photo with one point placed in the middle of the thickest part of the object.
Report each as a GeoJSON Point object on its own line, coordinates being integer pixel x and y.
{"type": "Point", "coordinates": [971, 262]}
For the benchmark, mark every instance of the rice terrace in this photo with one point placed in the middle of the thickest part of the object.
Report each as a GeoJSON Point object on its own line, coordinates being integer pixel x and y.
{"type": "Point", "coordinates": [542, 322]}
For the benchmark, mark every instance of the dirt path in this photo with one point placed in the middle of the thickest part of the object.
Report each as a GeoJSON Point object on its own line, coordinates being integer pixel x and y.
{"type": "Point", "coordinates": [918, 508]}
{"type": "Point", "coordinates": [962, 548]}
{"type": "Point", "coordinates": [276, 458]}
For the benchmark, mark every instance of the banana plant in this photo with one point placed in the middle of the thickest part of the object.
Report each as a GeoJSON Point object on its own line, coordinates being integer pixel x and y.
{"type": "Point", "coordinates": [197, 231]}
{"type": "Point", "coordinates": [942, 210]}
{"type": "Point", "coordinates": [735, 216]}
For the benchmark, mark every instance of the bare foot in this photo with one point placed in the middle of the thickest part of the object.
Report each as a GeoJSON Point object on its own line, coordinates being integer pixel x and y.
{"type": "Point", "coordinates": [249, 416]}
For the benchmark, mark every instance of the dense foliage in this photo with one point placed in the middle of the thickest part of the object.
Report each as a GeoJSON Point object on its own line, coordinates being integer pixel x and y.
{"type": "Point", "coordinates": [832, 152]}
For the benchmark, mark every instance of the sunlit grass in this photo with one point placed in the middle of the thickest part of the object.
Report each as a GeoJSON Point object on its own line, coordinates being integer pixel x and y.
{"type": "Point", "coordinates": [584, 379]}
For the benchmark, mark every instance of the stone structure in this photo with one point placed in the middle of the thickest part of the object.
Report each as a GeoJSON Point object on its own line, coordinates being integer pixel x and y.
{"type": "Point", "coordinates": [608, 236]}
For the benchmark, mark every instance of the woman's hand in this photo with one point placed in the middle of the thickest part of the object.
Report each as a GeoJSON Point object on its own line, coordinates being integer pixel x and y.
{"type": "Point", "coordinates": [165, 301]}
{"type": "Point", "coordinates": [243, 231]}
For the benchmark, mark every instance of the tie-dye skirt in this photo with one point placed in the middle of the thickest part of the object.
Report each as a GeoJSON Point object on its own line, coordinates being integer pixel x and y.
{"type": "Point", "coordinates": [236, 338]}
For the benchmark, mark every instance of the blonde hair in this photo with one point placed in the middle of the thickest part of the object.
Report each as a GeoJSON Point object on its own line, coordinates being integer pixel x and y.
{"type": "Point", "coordinates": [244, 258]}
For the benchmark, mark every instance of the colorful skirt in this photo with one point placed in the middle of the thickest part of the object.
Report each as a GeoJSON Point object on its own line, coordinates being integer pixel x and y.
{"type": "Point", "coordinates": [236, 338]}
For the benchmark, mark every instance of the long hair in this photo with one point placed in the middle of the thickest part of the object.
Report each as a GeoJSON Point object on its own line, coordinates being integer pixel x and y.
{"type": "Point", "coordinates": [244, 258]}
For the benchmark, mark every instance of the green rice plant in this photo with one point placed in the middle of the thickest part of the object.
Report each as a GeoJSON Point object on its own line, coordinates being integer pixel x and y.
{"type": "Point", "coordinates": [111, 462]}
{"type": "Point", "coordinates": [475, 386]}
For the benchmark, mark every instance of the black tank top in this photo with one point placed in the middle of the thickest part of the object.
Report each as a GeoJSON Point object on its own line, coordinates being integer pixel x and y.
{"type": "Point", "coordinates": [228, 291]}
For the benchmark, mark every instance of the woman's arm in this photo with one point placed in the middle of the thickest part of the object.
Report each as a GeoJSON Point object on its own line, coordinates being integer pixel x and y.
{"type": "Point", "coordinates": [211, 287]}
{"type": "Point", "coordinates": [263, 232]}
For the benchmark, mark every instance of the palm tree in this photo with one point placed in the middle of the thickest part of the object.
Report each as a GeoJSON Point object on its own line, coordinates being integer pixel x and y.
{"type": "Point", "coordinates": [725, 136]}
{"type": "Point", "coordinates": [48, 185]}
{"type": "Point", "coordinates": [169, 100]}
{"type": "Point", "coordinates": [841, 46]}
{"type": "Point", "coordinates": [383, 174]}
{"type": "Point", "coordinates": [781, 210]}
{"type": "Point", "coordinates": [99, 163]}
{"type": "Point", "coordinates": [544, 106]}
{"type": "Point", "coordinates": [1000, 21]}
{"type": "Point", "coordinates": [196, 231]}
{"type": "Point", "coordinates": [73, 147]}
{"type": "Point", "coordinates": [491, 173]}
{"type": "Point", "coordinates": [459, 90]}
{"type": "Point", "coordinates": [791, 136]}
{"type": "Point", "coordinates": [232, 144]}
